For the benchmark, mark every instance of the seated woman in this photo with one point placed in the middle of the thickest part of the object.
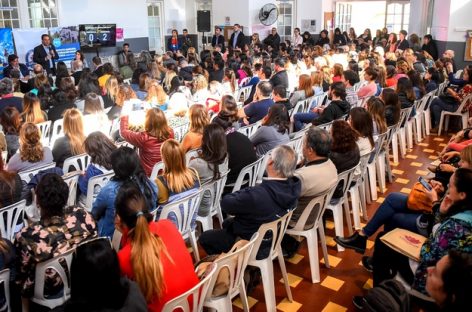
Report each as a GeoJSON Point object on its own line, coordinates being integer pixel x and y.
{"type": "Point", "coordinates": [7, 261]}
{"type": "Point", "coordinates": [32, 109]}
{"type": "Point", "coordinates": [211, 161]}
{"type": "Point", "coordinates": [431, 79]}
{"type": "Point", "coordinates": [58, 231]}
{"type": "Point", "coordinates": [148, 142]}
{"type": "Point", "coordinates": [200, 90]}
{"type": "Point", "coordinates": [97, 284]}
{"type": "Point", "coordinates": [154, 254]}
{"type": "Point", "coordinates": [143, 86]}
{"type": "Point", "coordinates": [361, 121]}
{"type": "Point", "coordinates": [452, 100]}
{"type": "Point", "coordinates": [10, 186]}
{"type": "Point", "coordinates": [99, 147]}
{"type": "Point", "coordinates": [273, 132]}
{"type": "Point", "coordinates": [72, 143]}
{"type": "Point", "coordinates": [335, 109]}
{"type": "Point", "coordinates": [179, 97]}
{"type": "Point", "coordinates": [406, 94]}
{"type": "Point", "coordinates": [376, 109]}
{"type": "Point", "coordinates": [198, 120]}
{"type": "Point", "coordinates": [10, 121]}
{"type": "Point", "coordinates": [126, 165]}
{"type": "Point", "coordinates": [32, 153]}
{"type": "Point", "coordinates": [123, 94]}
{"type": "Point", "coordinates": [157, 97]}
{"type": "Point", "coordinates": [304, 90]}
{"type": "Point", "coordinates": [450, 161]}
{"type": "Point", "coordinates": [459, 141]}
{"type": "Point", "coordinates": [392, 106]}
{"type": "Point", "coordinates": [228, 113]}
{"type": "Point", "coordinates": [368, 90]}
{"type": "Point", "coordinates": [95, 118]}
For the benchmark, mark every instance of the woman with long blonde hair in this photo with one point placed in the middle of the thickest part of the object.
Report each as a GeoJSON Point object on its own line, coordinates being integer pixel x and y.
{"type": "Point", "coordinates": [156, 96]}
{"type": "Point", "coordinates": [123, 93]}
{"type": "Point", "coordinates": [72, 143]}
{"type": "Point", "coordinates": [31, 152]}
{"type": "Point", "coordinates": [198, 120]}
{"type": "Point", "coordinates": [200, 89]}
{"type": "Point", "coordinates": [32, 109]}
{"type": "Point", "coordinates": [177, 180]}
{"type": "Point", "coordinates": [154, 253]}
{"type": "Point", "coordinates": [304, 90]}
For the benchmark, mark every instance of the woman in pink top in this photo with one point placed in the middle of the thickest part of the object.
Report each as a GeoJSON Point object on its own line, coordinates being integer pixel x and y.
{"type": "Point", "coordinates": [370, 89]}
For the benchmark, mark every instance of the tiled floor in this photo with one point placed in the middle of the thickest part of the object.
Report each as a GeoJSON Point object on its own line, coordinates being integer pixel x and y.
{"type": "Point", "coordinates": [346, 277]}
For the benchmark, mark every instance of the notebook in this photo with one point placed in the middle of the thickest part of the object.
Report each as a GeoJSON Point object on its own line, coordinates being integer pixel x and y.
{"type": "Point", "coordinates": [404, 242]}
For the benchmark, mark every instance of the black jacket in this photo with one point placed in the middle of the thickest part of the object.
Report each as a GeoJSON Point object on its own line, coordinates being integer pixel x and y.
{"type": "Point", "coordinates": [344, 161]}
{"type": "Point", "coordinates": [279, 79]}
{"type": "Point", "coordinates": [403, 45]}
{"type": "Point", "coordinates": [216, 75]}
{"type": "Point", "coordinates": [22, 67]}
{"type": "Point", "coordinates": [273, 41]}
{"type": "Point", "coordinates": [218, 40]}
{"type": "Point", "coordinates": [431, 48]}
{"type": "Point", "coordinates": [339, 40]}
{"type": "Point", "coordinates": [241, 153]}
{"type": "Point", "coordinates": [333, 111]}
{"type": "Point", "coordinates": [240, 40]}
{"type": "Point", "coordinates": [254, 206]}
{"type": "Point", "coordinates": [322, 41]}
{"type": "Point", "coordinates": [39, 57]}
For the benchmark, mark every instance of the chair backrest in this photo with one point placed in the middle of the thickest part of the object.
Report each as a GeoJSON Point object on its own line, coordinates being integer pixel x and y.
{"type": "Point", "coordinates": [191, 154]}
{"type": "Point", "coordinates": [64, 274]}
{"type": "Point", "coordinates": [379, 145]}
{"type": "Point", "coordinates": [4, 156]}
{"type": "Point", "coordinates": [215, 190]}
{"type": "Point", "coordinates": [94, 186]}
{"type": "Point", "coordinates": [326, 126]}
{"type": "Point", "coordinates": [319, 203]}
{"type": "Point", "coordinates": [318, 100]}
{"type": "Point", "coordinates": [251, 172]}
{"type": "Point", "coordinates": [197, 294]}
{"type": "Point", "coordinates": [345, 179]}
{"type": "Point", "coordinates": [296, 143]}
{"type": "Point", "coordinates": [45, 129]}
{"type": "Point", "coordinates": [251, 129]}
{"type": "Point", "coordinates": [277, 230]}
{"type": "Point", "coordinates": [244, 93]}
{"type": "Point", "coordinates": [76, 163]}
{"type": "Point", "coordinates": [155, 170]}
{"type": "Point", "coordinates": [72, 181]}
{"type": "Point", "coordinates": [182, 212]}
{"type": "Point", "coordinates": [235, 262]}
{"type": "Point", "coordinates": [27, 175]}
{"type": "Point", "coordinates": [404, 115]}
{"type": "Point", "coordinates": [124, 143]}
{"type": "Point", "coordinates": [463, 103]}
{"type": "Point", "coordinates": [262, 167]}
{"type": "Point", "coordinates": [302, 106]}
{"type": "Point", "coordinates": [180, 131]}
{"type": "Point", "coordinates": [5, 280]}
{"type": "Point", "coordinates": [391, 132]}
{"type": "Point", "coordinates": [10, 216]}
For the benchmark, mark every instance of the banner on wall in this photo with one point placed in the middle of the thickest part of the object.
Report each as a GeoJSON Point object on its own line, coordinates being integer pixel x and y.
{"type": "Point", "coordinates": [25, 41]}
{"type": "Point", "coordinates": [6, 47]}
{"type": "Point", "coordinates": [66, 41]}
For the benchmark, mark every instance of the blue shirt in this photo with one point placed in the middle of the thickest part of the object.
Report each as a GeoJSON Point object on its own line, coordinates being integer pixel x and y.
{"type": "Point", "coordinates": [257, 110]}
{"type": "Point", "coordinates": [235, 38]}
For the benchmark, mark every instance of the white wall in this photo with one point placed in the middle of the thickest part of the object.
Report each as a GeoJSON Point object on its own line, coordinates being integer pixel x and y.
{"type": "Point", "coordinates": [132, 16]}
{"type": "Point", "coordinates": [236, 10]}
{"type": "Point", "coordinates": [312, 9]}
{"type": "Point", "coordinates": [460, 19]}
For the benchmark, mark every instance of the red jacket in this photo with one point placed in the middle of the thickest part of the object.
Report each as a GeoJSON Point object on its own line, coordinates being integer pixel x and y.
{"type": "Point", "coordinates": [149, 147]}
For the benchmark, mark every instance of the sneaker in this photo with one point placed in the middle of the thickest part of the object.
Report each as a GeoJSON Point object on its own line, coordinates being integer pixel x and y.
{"type": "Point", "coordinates": [367, 263]}
{"type": "Point", "coordinates": [358, 302]}
{"type": "Point", "coordinates": [355, 241]}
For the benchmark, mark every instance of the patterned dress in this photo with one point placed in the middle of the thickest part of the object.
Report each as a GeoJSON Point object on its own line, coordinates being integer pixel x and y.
{"type": "Point", "coordinates": [46, 239]}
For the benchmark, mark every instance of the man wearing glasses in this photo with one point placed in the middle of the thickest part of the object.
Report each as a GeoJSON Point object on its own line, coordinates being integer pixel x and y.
{"type": "Point", "coordinates": [273, 39]}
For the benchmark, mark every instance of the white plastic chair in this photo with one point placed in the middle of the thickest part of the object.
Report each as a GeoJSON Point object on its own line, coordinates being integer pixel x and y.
{"type": "Point", "coordinates": [94, 186]}
{"type": "Point", "coordinates": [376, 168]}
{"type": "Point", "coordinates": [116, 240]}
{"type": "Point", "coordinates": [72, 181]}
{"type": "Point", "coordinates": [10, 216]}
{"type": "Point", "coordinates": [155, 170]}
{"type": "Point", "coordinates": [27, 175]}
{"type": "Point", "coordinates": [243, 92]}
{"type": "Point", "coordinates": [404, 115]}
{"type": "Point", "coordinates": [277, 229]}
{"type": "Point", "coordinates": [76, 163]}
{"type": "Point", "coordinates": [319, 203]}
{"type": "Point", "coordinates": [251, 129]}
{"type": "Point", "coordinates": [427, 113]}
{"type": "Point", "coordinates": [56, 131]}
{"type": "Point", "coordinates": [337, 208]}
{"type": "Point", "coordinates": [296, 143]}
{"type": "Point", "coordinates": [302, 106]}
{"type": "Point", "coordinates": [40, 275]}
{"type": "Point", "coordinates": [45, 129]}
{"type": "Point", "coordinates": [180, 131]}
{"type": "Point", "coordinates": [215, 190]}
{"type": "Point", "coordinates": [191, 154]}
{"type": "Point", "coordinates": [198, 294]}
{"type": "Point", "coordinates": [235, 262]}
{"type": "Point", "coordinates": [391, 133]}
{"type": "Point", "coordinates": [182, 217]}
{"type": "Point", "coordinates": [5, 280]}
{"type": "Point", "coordinates": [464, 115]}
{"type": "Point", "coordinates": [251, 171]}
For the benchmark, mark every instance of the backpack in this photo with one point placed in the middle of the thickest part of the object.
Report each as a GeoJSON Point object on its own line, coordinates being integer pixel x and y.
{"type": "Point", "coordinates": [389, 296]}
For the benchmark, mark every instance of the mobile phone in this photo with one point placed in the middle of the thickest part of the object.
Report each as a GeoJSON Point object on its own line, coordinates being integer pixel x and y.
{"type": "Point", "coordinates": [426, 185]}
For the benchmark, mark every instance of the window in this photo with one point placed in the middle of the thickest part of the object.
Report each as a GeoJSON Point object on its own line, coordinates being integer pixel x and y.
{"type": "Point", "coordinates": [397, 16]}
{"type": "Point", "coordinates": [42, 13]}
{"type": "Point", "coordinates": [155, 22]}
{"type": "Point", "coordinates": [9, 14]}
{"type": "Point", "coordinates": [343, 16]}
{"type": "Point", "coordinates": [286, 19]}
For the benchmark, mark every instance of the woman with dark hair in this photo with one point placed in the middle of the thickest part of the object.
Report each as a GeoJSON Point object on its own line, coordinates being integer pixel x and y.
{"type": "Point", "coordinates": [429, 45]}
{"type": "Point", "coordinates": [405, 92]}
{"type": "Point", "coordinates": [126, 165]}
{"type": "Point", "coordinates": [431, 79]}
{"type": "Point", "coordinates": [59, 230]}
{"type": "Point", "coordinates": [376, 109]}
{"type": "Point", "coordinates": [339, 38]}
{"type": "Point", "coordinates": [8, 261]}
{"type": "Point", "coordinates": [95, 118]}
{"type": "Point", "coordinates": [366, 35]}
{"type": "Point", "coordinates": [143, 86]}
{"type": "Point", "coordinates": [417, 82]}
{"type": "Point", "coordinates": [11, 123]}
{"type": "Point", "coordinates": [178, 99]}
{"type": "Point", "coordinates": [154, 254]}
{"type": "Point", "coordinates": [228, 114]}
{"type": "Point", "coordinates": [79, 62]}
{"type": "Point", "coordinates": [97, 284]}
{"type": "Point", "coordinates": [149, 141]}
{"type": "Point", "coordinates": [107, 72]}
{"type": "Point", "coordinates": [274, 130]}
{"type": "Point", "coordinates": [362, 122]}
{"type": "Point", "coordinates": [391, 80]}
{"type": "Point", "coordinates": [323, 39]}
{"type": "Point", "coordinates": [99, 147]}
{"type": "Point", "coordinates": [10, 186]}
{"type": "Point", "coordinates": [392, 106]}
{"type": "Point", "coordinates": [61, 72]}
{"type": "Point", "coordinates": [391, 43]}
{"type": "Point", "coordinates": [64, 98]}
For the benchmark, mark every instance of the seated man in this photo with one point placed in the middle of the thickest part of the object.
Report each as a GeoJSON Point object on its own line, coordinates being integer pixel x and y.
{"type": "Point", "coordinates": [336, 108]}
{"type": "Point", "coordinates": [254, 206]}
{"type": "Point", "coordinates": [58, 231]}
{"type": "Point", "coordinates": [14, 63]}
{"type": "Point", "coordinates": [7, 98]}
{"type": "Point", "coordinates": [260, 107]}
{"type": "Point", "coordinates": [318, 173]}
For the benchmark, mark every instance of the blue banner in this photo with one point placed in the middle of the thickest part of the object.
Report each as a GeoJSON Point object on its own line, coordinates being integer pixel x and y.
{"type": "Point", "coordinates": [6, 47]}
{"type": "Point", "coordinates": [66, 41]}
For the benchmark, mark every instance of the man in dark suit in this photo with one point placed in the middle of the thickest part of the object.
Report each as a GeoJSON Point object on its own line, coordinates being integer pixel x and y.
{"type": "Point", "coordinates": [237, 38]}
{"type": "Point", "coordinates": [280, 78]}
{"type": "Point", "coordinates": [46, 55]}
{"type": "Point", "coordinates": [273, 39]}
{"type": "Point", "coordinates": [13, 63]}
{"type": "Point", "coordinates": [218, 39]}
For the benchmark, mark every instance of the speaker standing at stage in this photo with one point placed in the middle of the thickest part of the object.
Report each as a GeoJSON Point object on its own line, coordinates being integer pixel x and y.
{"type": "Point", "coordinates": [45, 54]}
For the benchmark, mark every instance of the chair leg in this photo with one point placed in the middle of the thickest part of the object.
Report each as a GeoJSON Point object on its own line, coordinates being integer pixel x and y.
{"type": "Point", "coordinates": [380, 169]}
{"type": "Point", "coordinates": [372, 181]}
{"type": "Point", "coordinates": [409, 133]}
{"type": "Point", "coordinates": [312, 245]}
{"type": "Point", "coordinates": [419, 127]}
{"type": "Point", "coordinates": [356, 203]}
{"type": "Point", "coordinates": [402, 135]}
{"type": "Point", "coordinates": [338, 222]}
{"type": "Point", "coordinates": [368, 196]}
{"type": "Point", "coordinates": [441, 120]}
{"type": "Point", "coordinates": [219, 214]}
{"type": "Point", "coordinates": [323, 244]}
{"type": "Point", "coordinates": [243, 296]}
{"type": "Point", "coordinates": [267, 271]}
{"type": "Point", "coordinates": [283, 269]}
{"type": "Point", "coordinates": [446, 121]}
{"type": "Point", "coordinates": [427, 121]}
{"type": "Point", "coordinates": [347, 213]}
{"type": "Point", "coordinates": [388, 167]}
{"type": "Point", "coordinates": [363, 202]}
{"type": "Point", "coordinates": [193, 242]}
{"type": "Point", "coordinates": [395, 147]}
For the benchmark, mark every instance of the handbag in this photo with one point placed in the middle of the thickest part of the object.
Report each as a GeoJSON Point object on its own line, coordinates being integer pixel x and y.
{"type": "Point", "coordinates": [418, 200]}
